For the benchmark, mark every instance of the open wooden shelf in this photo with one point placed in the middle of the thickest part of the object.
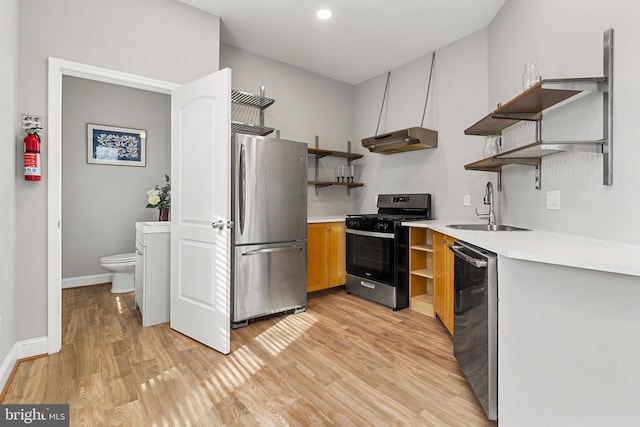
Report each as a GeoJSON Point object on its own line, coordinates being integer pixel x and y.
{"type": "Point", "coordinates": [526, 106]}
{"type": "Point", "coordinates": [422, 304]}
{"type": "Point", "coordinates": [319, 153]}
{"type": "Point", "coordinates": [531, 154]}
{"type": "Point", "coordinates": [342, 154]}
{"type": "Point", "coordinates": [320, 184]}
{"type": "Point", "coordinates": [421, 270]}
{"type": "Point", "coordinates": [424, 272]}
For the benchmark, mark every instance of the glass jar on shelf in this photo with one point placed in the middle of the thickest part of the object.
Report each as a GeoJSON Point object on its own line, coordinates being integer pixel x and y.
{"type": "Point", "coordinates": [531, 75]}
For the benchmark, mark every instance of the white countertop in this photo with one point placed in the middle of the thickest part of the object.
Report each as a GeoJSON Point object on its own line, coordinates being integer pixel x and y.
{"type": "Point", "coordinates": [318, 219]}
{"type": "Point", "coordinates": [547, 247]}
{"type": "Point", "coordinates": [153, 227]}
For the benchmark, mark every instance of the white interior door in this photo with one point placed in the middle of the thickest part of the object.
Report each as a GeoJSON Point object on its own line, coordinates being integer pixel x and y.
{"type": "Point", "coordinates": [201, 210]}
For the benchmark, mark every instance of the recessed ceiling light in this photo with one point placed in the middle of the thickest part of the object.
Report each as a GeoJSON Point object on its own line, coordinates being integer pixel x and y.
{"type": "Point", "coordinates": [324, 14]}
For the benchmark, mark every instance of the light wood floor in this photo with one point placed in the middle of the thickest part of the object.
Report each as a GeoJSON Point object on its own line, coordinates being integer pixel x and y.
{"type": "Point", "coordinates": [344, 362]}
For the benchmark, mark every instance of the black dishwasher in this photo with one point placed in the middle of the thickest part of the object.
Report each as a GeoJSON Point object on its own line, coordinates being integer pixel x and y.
{"type": "Point", "coordinates": [475, 320]}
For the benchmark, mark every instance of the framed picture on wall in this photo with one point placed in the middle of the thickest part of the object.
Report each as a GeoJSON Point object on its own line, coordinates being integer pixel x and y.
{"type": "Point", "coordinates": [110, 145]}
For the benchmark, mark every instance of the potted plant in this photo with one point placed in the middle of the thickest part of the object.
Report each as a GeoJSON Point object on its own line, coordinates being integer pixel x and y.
{"type": "Point", "coordinates": [160, 198]}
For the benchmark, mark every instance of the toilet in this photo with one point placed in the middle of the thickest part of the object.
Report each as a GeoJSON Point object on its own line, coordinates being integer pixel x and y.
{"type": "Point", "coordinates": [123, 267]}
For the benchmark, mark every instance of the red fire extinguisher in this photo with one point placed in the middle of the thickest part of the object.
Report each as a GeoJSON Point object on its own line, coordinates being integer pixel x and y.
{"type": "Point", "coordinates": [32, 156]}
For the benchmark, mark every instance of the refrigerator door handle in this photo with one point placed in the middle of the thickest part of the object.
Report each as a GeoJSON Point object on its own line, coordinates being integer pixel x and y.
{"type": "Point", "coordinates": [272, 250]}
{"type": "Point", "coordinates": [243, 188]}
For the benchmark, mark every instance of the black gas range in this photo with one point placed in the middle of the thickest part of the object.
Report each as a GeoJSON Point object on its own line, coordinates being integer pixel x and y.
{"type": "Point", "coordinates": [377, 249]}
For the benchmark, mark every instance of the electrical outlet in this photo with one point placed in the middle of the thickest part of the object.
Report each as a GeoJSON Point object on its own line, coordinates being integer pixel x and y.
{"type": "Point", "coordinates": [553, 199]}
{"type": "Point", "coordinates": [467, 200]}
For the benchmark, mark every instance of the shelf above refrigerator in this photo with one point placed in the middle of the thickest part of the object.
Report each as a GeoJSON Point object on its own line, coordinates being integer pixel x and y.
{"type": "Point", "coordinates": [250, 129]}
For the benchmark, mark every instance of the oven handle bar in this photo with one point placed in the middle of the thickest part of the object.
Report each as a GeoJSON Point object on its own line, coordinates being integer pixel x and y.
{"type": "Point", "coordinates": [370, 233]}
{"type": "Point", "coordinates": [471, 260]}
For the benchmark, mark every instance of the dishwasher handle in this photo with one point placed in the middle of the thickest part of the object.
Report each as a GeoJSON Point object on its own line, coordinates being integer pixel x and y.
{"type": "Point", "coordinates": [479, 263]}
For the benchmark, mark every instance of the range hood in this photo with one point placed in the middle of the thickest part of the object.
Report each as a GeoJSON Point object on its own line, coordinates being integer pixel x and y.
{"type": "Point", "coordinates": [415, 138]}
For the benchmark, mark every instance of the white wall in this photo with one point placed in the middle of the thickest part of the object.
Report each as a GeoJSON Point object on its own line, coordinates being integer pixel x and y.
{"type": "Point", "coordinates": [8, 136]}
{"type": "Point", "coordinates": [565, 38]}
{"type": "Point", "coordinates": [306, 105]}
{"type": "Point", "coordinates": [458, 98]}
{"type": "Point", "coordinates": [162, 39]}
{"type": "Point", "coordinates": [101, 203]}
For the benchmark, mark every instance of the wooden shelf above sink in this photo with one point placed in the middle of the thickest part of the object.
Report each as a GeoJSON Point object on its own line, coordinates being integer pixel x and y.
{"type": "Point", "coordinates": [526, 106]}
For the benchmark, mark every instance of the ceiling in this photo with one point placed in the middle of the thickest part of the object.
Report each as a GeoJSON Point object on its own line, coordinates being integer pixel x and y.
{"type": "Point", "coordinates": [365, 38]}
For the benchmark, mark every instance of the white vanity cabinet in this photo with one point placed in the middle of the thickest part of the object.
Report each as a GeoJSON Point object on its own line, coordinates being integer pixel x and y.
{"type": "Point", "coordinates": [153, 256]}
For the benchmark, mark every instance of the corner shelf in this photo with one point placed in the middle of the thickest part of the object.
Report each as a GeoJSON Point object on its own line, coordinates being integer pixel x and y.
{"type": "Point", "coordinates": [421, 270]}
{"type": "Point", "coordinates": [320, 153]}
{"type": "Point", "coordinates": [529, 106]}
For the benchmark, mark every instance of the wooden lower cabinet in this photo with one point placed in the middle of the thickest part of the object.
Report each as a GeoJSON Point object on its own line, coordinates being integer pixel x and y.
{"type": "Point", "coordinates": [326, 255]}
{"type": "Point", "coordinates": [443, 279]}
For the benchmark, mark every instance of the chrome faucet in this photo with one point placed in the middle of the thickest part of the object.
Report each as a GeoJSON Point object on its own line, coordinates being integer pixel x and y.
{"type": "Point", "coordinates": [488, 200]}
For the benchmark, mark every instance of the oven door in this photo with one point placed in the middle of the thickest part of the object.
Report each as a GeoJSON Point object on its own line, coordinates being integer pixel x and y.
{"type": "Point", "coordinates": [371, 255]}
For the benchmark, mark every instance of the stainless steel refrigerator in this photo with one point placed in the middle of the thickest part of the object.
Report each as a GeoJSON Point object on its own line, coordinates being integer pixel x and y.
{"type": "Point", "coordinates": [269, 250]}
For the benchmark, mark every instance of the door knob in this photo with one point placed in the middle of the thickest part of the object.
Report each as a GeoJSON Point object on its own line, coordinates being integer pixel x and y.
{"type": "Point", "coordinates": [221, 224]}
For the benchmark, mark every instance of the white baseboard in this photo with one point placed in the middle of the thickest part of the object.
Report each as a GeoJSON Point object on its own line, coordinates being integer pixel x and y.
{"type": "Point", "coordinates": [21, 350]}
{"type": "Point", "coordinates": [94, 279]}
{"type": "Point", "coordinates": [32, 347]}
{"type": "Point", "coordinates": [7, 366]}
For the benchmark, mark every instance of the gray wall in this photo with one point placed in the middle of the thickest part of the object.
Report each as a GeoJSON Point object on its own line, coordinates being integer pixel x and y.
{"type": "Point", "coordinates": [572, 47]}
{"type": "Point", "coordinates": [307, 104]}
{"type": "Point", "coordinates": [458, 98]}
{"type": "Point", "coordinates": [161, 39]}
{"type": "Point", "coordinates": [472, 75]}
{"type": "Point", "coordinates": [101, 203]}
{"type": "Point", "coordinates": [8, 136]}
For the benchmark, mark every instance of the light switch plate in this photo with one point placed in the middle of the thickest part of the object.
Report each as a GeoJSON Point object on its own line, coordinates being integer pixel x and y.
{"type": "Point", "coordinates": [467, 200]}
{"type": "Point", "coordinates": [553, 200]}
{"type": "Point", "coordinates": [30, 121]}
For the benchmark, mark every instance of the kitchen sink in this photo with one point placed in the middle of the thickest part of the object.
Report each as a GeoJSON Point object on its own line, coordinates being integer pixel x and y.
{"type": "Point", "coordinates": [487, 227]}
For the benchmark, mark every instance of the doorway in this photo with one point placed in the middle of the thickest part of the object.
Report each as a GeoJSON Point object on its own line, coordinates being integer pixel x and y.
{"type": "Point", "coordinates": [101, 202]}
{"type": "Point", "coordinates": [57, 69]}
